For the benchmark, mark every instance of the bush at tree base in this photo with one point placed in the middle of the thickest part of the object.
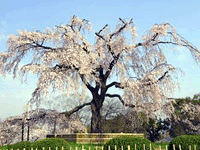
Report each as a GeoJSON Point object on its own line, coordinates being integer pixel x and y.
{"type": "Point", "coordinates": [50, 142]}
{"type": "Point", "coordinates": [185, 141]}
{"type": "Point", "coordinates": [125, 141]}
{"type": "Point", "coordinates": [19, 145]}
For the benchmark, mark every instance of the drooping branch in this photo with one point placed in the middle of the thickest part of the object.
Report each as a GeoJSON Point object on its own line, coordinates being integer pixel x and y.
{"type": "Point", "coordinates": [77, 108]}
{"type": "Point", "coordinates": [120, 98]}
{"type": "Point", "coordinates": [81, 75]}
{"type": "Point", "coordinates": [36, 45]}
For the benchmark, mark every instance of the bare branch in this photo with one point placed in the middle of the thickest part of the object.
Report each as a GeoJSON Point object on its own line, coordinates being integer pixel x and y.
{"type": "Point", "coordinates": [100, 36]}
{"type": "Point", "coordinates": [102, 28]}
{"type": "Point", "coordinates": [122, 101]}
{"type": "Point", "coordinates": [122, 20]}
{"type": "Point", "coordinates": [77, 108]}
{"type": "Point", "coordinates": [116, 84]}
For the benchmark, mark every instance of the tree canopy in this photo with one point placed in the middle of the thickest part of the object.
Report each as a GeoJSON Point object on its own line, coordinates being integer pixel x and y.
{"type": "Point", "coordinates": [64, 59]}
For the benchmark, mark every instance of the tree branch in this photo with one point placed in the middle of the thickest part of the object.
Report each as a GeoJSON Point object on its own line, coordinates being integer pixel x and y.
{"type": "Point", "coordinates": [81, 75]}
{"type": "Point", "coordinates": [86, 83]}
{"type": "Point", "coordinates": [159, 79]}
{"type": "Point", "coordinates": [77, 108]}
{"type": "Point", "coordinates": [100, 36]}
{"type": "Point", "coordinates": [120, 29]}
{"type": "Point", "coordinates": [116, 84]}
{"type": "Point", "coordinates": [41, 45]}
{"type": "Point", "coordinates": [122, 101]}
{"type": "Point", "coordinates": [114, 61]}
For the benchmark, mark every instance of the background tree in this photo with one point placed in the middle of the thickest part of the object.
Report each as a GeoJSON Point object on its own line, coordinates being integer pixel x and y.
{"type": "Point", "coordinates": [18, 127]}
{"type": "Point", "coordinates": [42, 122]}
{"type": "Point", "coordinates": [141, 67]}
{"type": "Point", "coordinates": [129, 122]}
{"type": "Point", "coordinates": [186, 119]}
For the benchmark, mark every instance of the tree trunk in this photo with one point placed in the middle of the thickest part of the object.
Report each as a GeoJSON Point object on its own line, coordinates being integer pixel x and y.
{"type": "Point", "coordinates": [28, 131]}
{"type": "Point", "coordinates": [96, 120]}
{"type": "Point", "coordinates": [22, 131]}
{"type": "Point", "coordinates": [54, 130]}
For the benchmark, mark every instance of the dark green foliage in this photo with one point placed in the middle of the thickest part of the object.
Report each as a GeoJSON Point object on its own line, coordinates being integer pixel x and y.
{"type": "Point", "coordinates": [51, 142]}
{"type": "Point", "coordinates": [185, 141]}
{"type": "Point", "coordinates": [19, 145]}
{"type": "Point", "coordinates": [154, 129]}
{"type": "Point", "coordinates": [125, 141]}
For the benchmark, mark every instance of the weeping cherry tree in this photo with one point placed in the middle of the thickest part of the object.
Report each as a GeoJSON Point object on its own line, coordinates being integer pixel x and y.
{"type": "Point", "coordinates": [66, 61]}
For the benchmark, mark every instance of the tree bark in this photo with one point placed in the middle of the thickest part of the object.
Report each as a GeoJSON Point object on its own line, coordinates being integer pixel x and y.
{"type": "Point", "coordinates": [96, 120]}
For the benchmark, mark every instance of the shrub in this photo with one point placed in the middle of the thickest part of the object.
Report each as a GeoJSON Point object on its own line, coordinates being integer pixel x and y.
{"type": "Point", "coordinates": [185, 141]}
{"type": "Point", "coordinates": [8, 146]}
{"type": "Point", "coordinates": [125, 141]}
{"type": "Point", "coordinates": [19, 145]}
{"type": "Point", "coordinates": [50, 142]}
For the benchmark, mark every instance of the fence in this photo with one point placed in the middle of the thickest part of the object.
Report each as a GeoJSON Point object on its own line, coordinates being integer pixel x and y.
{"type": "Point", "coordinates": [115, 148]}
{"type": "Point", "coordinates": [95, 138]}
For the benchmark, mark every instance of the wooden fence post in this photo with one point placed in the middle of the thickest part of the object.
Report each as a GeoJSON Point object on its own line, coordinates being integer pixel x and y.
{"type": "Point", "coordinates": [189, 147]}
{"type": "Point", "coordinates": [150, 146]}
{"type": "Point", "coordinates": [179, 147]}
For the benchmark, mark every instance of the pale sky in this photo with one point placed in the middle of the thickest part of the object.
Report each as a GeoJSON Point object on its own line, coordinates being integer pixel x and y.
{"type": "Point", "coordinates": [21, 14]}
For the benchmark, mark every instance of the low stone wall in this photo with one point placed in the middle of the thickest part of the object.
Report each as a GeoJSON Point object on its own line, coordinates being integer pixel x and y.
{"type": "Point", "coordinates": [95, 138]}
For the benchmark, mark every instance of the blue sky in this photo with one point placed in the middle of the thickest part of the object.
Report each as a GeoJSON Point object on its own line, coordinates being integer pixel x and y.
{"type": "Point", "coordinates": [21, 14]}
